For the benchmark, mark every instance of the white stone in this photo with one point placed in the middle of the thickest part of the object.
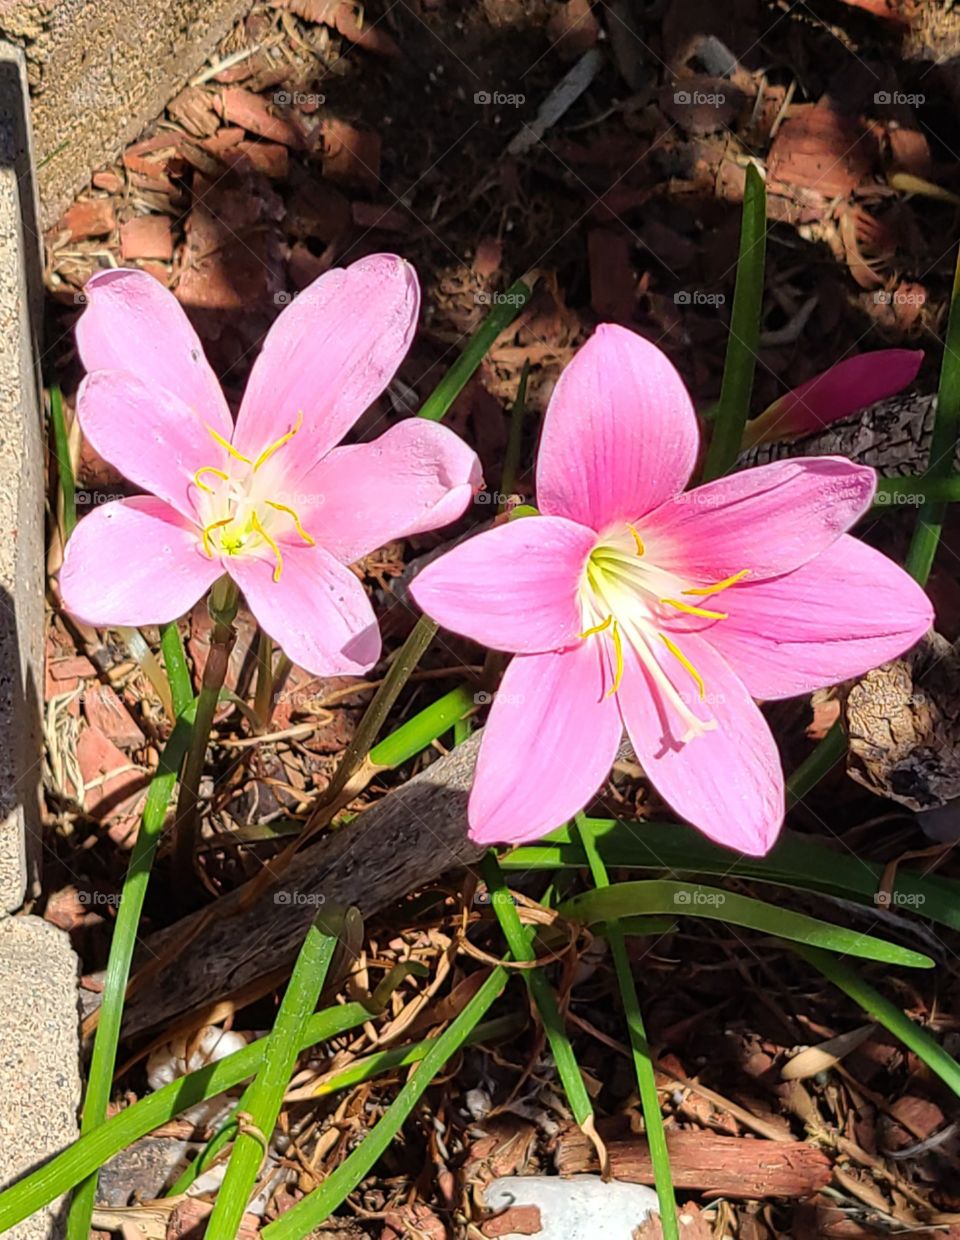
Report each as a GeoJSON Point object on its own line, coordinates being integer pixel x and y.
{"type": "Point", "coordinates": [580, 1207]}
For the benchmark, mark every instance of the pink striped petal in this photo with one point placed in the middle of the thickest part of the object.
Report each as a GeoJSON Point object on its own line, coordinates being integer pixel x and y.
{"type": "Point", "coordinates": [620, 434]}
{"type": "Point", "coordinates": [513, 587]}
{"type": "Point", "coordinates": [148, 433]}
{"type": "Point", "coordinates": [769, 520]}
{"type": "Point", "coordinates": [418, 476]}
{"type": "Point", "coordinates": [728, 782]}
{"type": "Point", "coordinates": [318, 612]}
{"type": "Point", "coordinates": [548, 746]}
{"type": "Point", "coordinates": [133, 323]}
{"type": "Point", "coordinates": [837, 393]}
{"type": "Point", "coordinates": [328, 356]}
{"type": "Point", "coordinates": [845, 612]}
{"type": "Point", "coordinates": [133, 562]}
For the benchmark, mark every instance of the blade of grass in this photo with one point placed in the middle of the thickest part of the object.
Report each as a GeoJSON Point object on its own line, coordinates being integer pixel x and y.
{"type": "Point", "coordinates": [175, 663]}
{"type": "Point", "coordinates": [265, 1094]}
{"type": "Point", "coordinates": [423, 729]}
{"type": "Point", "coordinates": [943, 443]}
{"type": "Point", "coordinates": [104, 1058]}
{"type": "Point", "coordinates": [61, 449]}
{"type": "Point", "coordinates": [100, 1144]}
{"type": "Point", "coordinates": [642, 1063]}
{"type": "Point", "coordinates": [309, 1213]}
{"type": "Point", "coordinates": [696, 900]}
{"type": "Point", "coordinates": [520, 942]}
{"type": "Point", "coordinates": [794, 861]}
{"type": "Point", "coordinates": [743, 341]}
{"type": "Point", "coordinates": [885, 1013]}
{"type": "Point", "coordinates": [455, 380]}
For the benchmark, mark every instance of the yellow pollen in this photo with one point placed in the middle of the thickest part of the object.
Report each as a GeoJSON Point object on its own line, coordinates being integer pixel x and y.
{"type": "Point", "coordinates": [637, 539]}
{"type": "Point", "coordinates": [278, 443]}
{"type": "Point", "coordinates": [694, 611]}
{"type": "Point", "coordinates": [209, 469]}
{"type": "Point", "coordinates": [618, 652]}
{"type": "Point", "coordinates": [255, 522]}
{"type": "Point", "coordinates": [296, 520]}
{"type": "Point", "coordinates": [682, 658]}
{"type": "Point", "coordinates": [228, 447]}
{"type": "Point", "coordinates": [719, 585]}
{"type": "Point", "coordinates": [598, 628]}
{"type": "Point", "coordinates": [205, 533]}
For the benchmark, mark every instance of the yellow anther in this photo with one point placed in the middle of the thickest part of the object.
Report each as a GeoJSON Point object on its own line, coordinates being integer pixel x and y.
{"type": "Point", "coordinates": [296, 520]}
{"type": "Point", "coordinates": [278, 443]}
{"type": "Point", "coordinates": [598, 628]}
{"type": "Point", "coordinates": [694, 611]}
{"type": "Point", "coordinates": [682, 658]}
{"type": "Point", "coordinates": [228, 447]}
{"type": "Point", "coordinates": [255, 522]}
{"type": "Point", "coordinates": [209, 469]}
{"type": "Point", "coordinates": [719, 585]}
{"type": "Point", "coordinates": [637, 539]}
{"type": "Point", "coordinates": [205, 533]}
{"type": "Point", "coordinates": [618, 652]}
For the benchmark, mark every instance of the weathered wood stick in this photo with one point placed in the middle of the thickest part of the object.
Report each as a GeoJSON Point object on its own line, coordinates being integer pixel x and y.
{"type": "Point", "coordinates": [893, 436]}
{"type": "Point", "coordinates": [741, 1167]}
{"type": "Point", "coordinates": [411, 837]}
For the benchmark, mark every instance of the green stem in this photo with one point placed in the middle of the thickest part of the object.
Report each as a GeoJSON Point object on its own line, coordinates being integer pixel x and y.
{"type": "Point", "coordinates": [520, 942]}
{"type": "Point", "coordinates": [943, 444]}
{"type": "Point", "coordinates": [511, 457]}
{"type": "Point", "coordinates": [263, 700]}
{"type": "Point", "coordinates": [61, 449]}
{"type": "Point", "coordinates": [374, 717]}
{"type": "Point", "coordinates": [175, 663]}
{"type": "Point", "coordinates": [743, 341]}
{"type": "Point", "coordinates": [124, 940]}
{"type": "Point", "coordinates": [642, 1061]}
{"type": "Point", "coordinates": [265, 1094]}
{"type": "Point", "coordinates": [309, 1213]}
{"type": "Point", "coordinates": [506, 309]}
{"type": "Point", "coordinates": [224, 599]}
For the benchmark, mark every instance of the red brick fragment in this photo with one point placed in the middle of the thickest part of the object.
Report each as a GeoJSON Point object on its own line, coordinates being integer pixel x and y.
{"type": "Point", "coordinates": [106, 712]}
{"type": "Point", "coordinates": [90, 217]}
{"type": "Point", "coordinates": [254, 113]}
{"type": "Point", "coordinates": [350, 155]}
{"type": "Point", "coordinates": [146, 236]}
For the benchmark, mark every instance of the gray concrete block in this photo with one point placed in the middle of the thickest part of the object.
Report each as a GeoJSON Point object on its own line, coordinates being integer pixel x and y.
{"type": "Point", "coordinates": [100, 70]}
{"type": "Point", "coordinates": [21, 497]}
{"type": "Point", "coordinates": [39, 1068]}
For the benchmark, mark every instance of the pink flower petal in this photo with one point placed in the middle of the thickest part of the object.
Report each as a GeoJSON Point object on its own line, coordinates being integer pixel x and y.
{"type": "Point", "coordinates": [620, 435]}
{"type": "Point", "coordinates": [511, 588]}
{"type": "Point", "coordinates": [837, 393]}
{"type": "Point", "coordinates": [133, 323]}
{"type": "Point", "coordinates": [416, 477]}
{"type": "Point", "coordinates": [728, 782]}
{"type": "Point", "coordinates": [548, 746]}
{"type": "Point", "coordinates": [845, 612]}
{"type": "Point", "coordinates": [328, 356]}
{"type": "Point", "coordinates": [318, 612]}
{"type": "Point", "coordinates": [133, 562]}
{"type": "Point", "coordinates": [148, 433]}
{"type": "Point", "coordinates": [768, 520]}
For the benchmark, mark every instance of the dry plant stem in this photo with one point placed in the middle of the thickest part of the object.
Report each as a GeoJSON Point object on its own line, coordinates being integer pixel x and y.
{"type": "Point", "coordinates": [263, 701]}
{"type": "Point", "coordinates": [223, 609]}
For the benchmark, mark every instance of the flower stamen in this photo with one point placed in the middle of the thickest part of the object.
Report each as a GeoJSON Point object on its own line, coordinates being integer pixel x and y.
{"type": "Point", "coordinates": [227, 446]}
{"type": "Point", "coordinates": [685, 662]}
{"type": "Point", "coordinates": [690, 610]}
{"type": "Point", "coordinates": [641, 550]}
{"type": "Point", "coordinates": [278, 443]}
{"type": "Point", "coordinates": [255, 522]}
{"type": "Point", "coordinates": [271, 503]}
{"type": "Point", "coordinates": [719, 585]}
{"type": "Point", "coordinates": [597, 628]}
{"type": "Point", "coordinates": [207, 530]}
{"type": "Point", "coordinates": [209, 469]}
{"type": "Point", "coordinates": [618, 653]}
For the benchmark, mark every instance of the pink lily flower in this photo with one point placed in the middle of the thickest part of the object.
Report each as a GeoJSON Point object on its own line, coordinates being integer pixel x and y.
{"type": "Point", "coordinates": [630, 604]}
{"type": "Point", "coordinates": [270, 500]}
{"type": "Point", "coordinates": [838, 392]}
